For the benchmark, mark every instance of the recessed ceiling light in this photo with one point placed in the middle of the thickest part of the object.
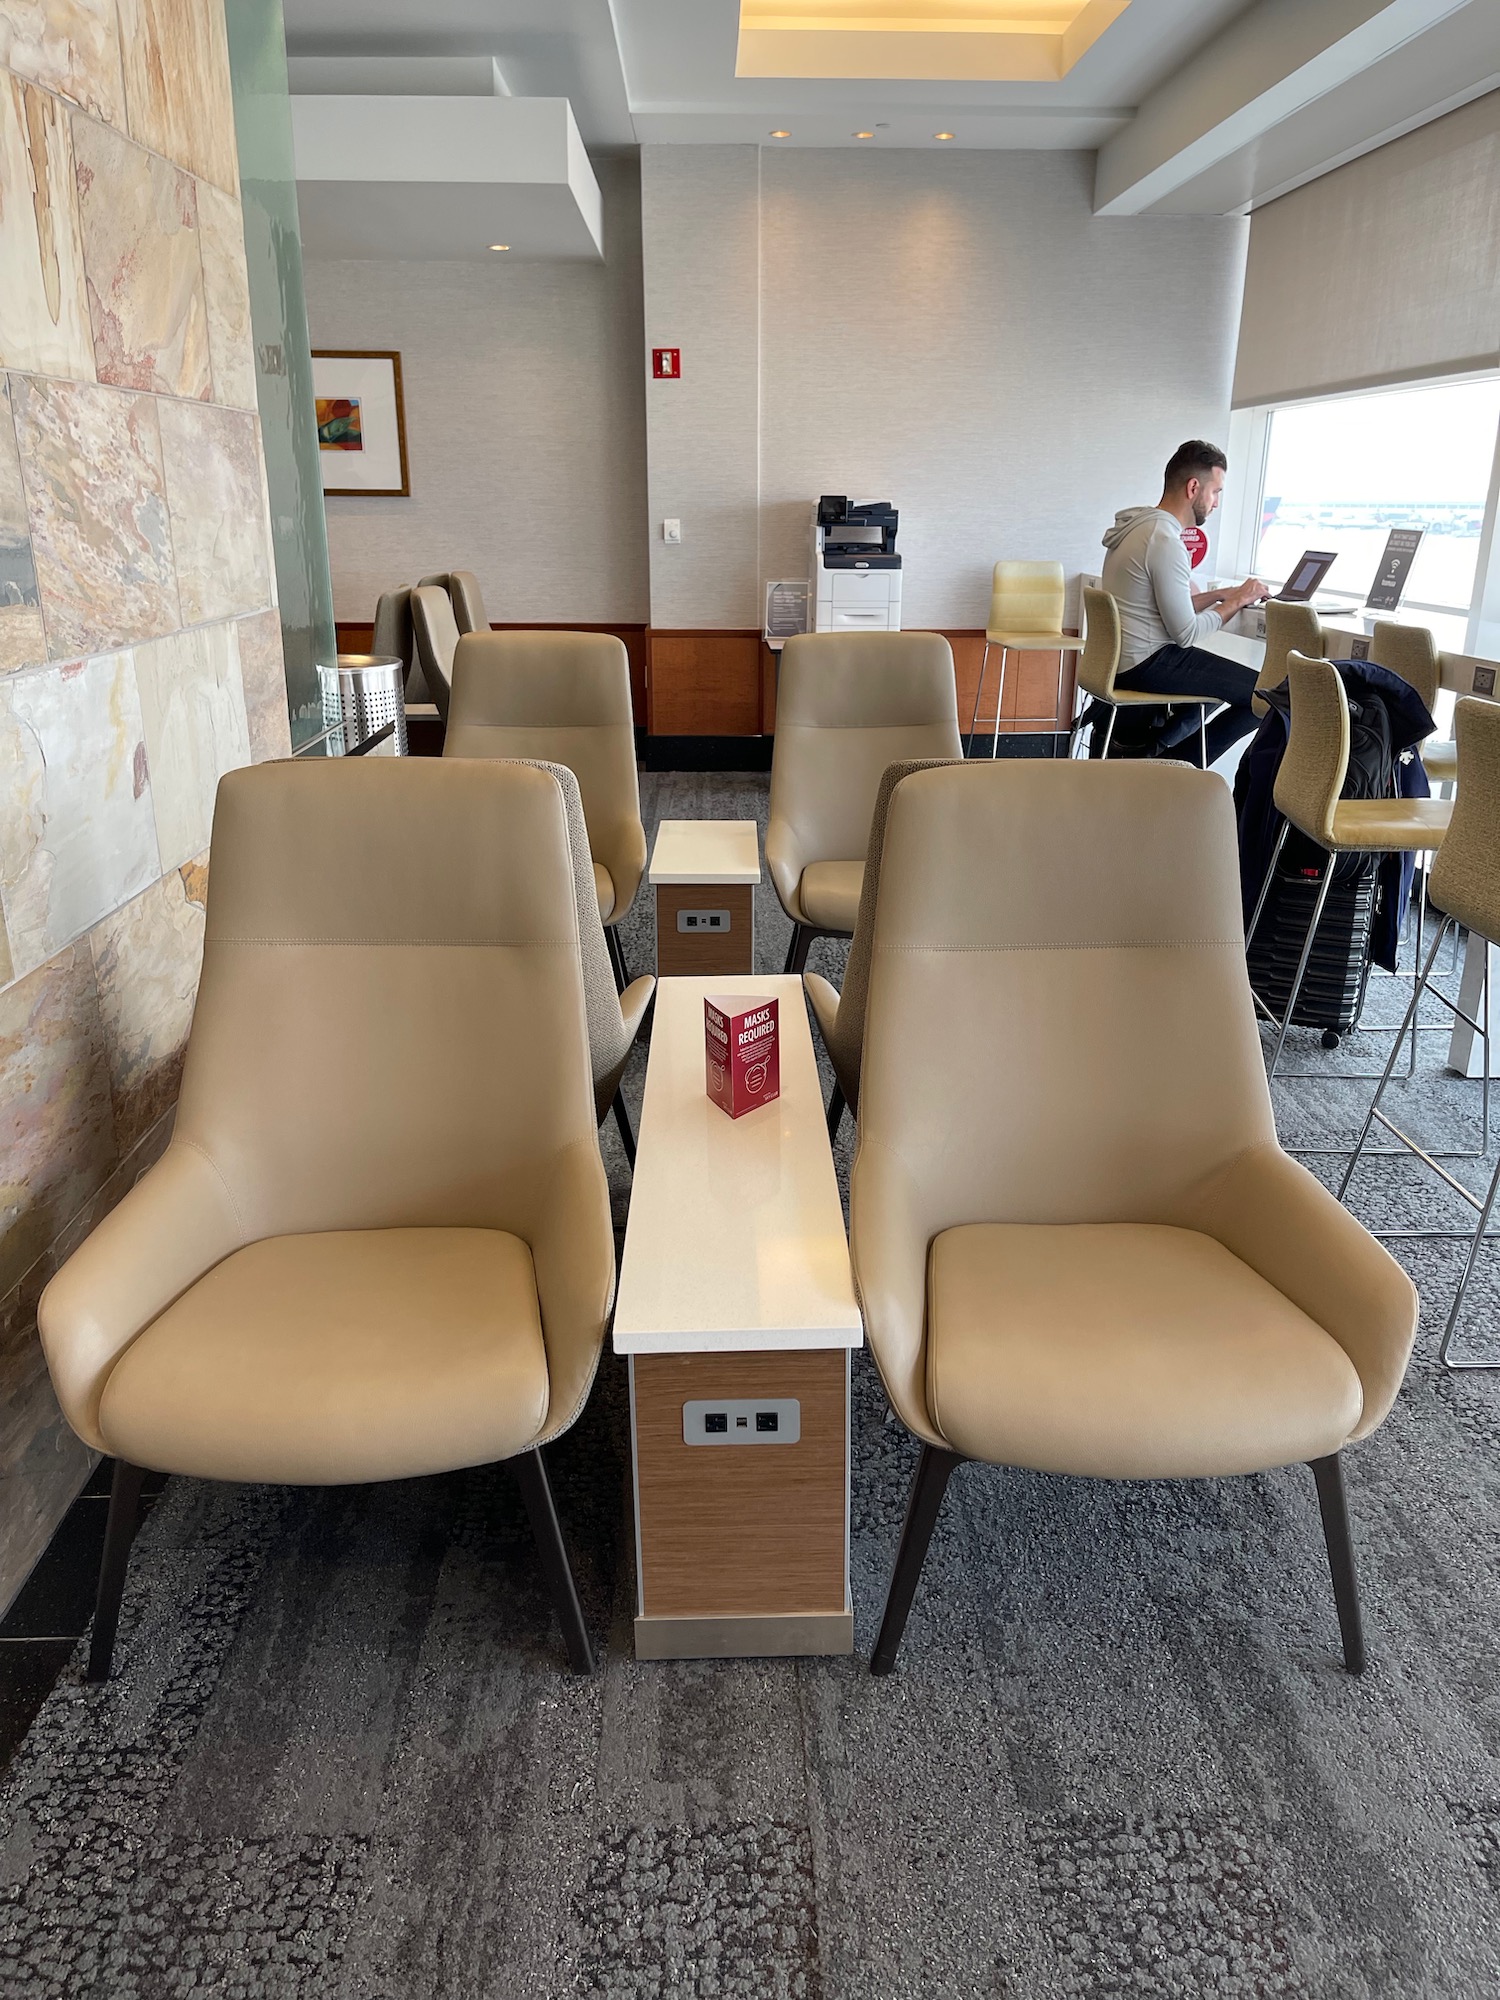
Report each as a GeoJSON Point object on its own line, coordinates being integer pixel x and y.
{"type": "Point", "coordinates": [864, 135]}
{"type": "Point", "coordinates": [781, 135]}
{"type": "Point", "coordinates": [942, 135]}
{"type": "Point", "coordinates": [499, 246]}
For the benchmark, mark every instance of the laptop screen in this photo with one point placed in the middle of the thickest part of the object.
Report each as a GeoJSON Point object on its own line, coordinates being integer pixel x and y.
{"type": "Point", "coordinates": [1312, 566]}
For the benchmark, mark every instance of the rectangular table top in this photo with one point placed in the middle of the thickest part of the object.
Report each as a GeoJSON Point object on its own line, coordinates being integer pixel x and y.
{"type": "Point", "coordinates": [736, 1234]}
{"type": "Point", "coordinates": [706, 850]}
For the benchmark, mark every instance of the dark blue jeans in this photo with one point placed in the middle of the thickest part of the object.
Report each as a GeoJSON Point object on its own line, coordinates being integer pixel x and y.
{"type": "Point", "coordinates": [1185, 670]}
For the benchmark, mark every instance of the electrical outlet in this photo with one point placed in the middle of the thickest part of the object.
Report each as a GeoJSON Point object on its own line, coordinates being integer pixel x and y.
{"type": "Point", "coordinates": [743, 1420]}
{"type": "Point", "coordinates": [671, 531]}
{"type": "Point", "coordinates": [1484, 680]}
{"type": "Point", "coordinates": [695, 922]}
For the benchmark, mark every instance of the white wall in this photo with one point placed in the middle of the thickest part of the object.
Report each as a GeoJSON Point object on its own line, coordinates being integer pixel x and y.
{"type": "Point", "coordinates": [955, 333]}
{"type": "Point", "coordinates": [525, 425]}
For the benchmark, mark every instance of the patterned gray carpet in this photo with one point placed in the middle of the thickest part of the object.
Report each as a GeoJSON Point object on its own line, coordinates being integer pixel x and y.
{"type": "Point", "coordinates": [341, 1756]}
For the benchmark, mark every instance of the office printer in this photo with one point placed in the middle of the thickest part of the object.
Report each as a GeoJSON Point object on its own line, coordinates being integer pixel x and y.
{"type": "Point", "coordinates": [856, 570]}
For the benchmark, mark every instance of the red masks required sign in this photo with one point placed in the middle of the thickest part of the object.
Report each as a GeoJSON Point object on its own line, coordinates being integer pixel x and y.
{"type": "Point", "coordinates": [742, 1052]}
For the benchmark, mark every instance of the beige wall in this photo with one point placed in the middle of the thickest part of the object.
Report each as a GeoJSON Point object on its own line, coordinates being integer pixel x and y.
{"type": "Point", "coordinates": [955, 333]}
{"type": "Point", "coordinates": [140, 655]}
{"type": "Point", "coordinates": [1386, 270]}
{"type": "Point", "coordinates": [525, 425]}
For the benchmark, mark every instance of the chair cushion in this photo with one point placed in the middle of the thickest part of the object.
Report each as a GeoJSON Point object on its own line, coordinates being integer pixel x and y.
{"type": "Point", "coordinates": [1125, 1351]}
{"type": "Point", "coordinates": [1015, 640]}
{"type": "Point", "coordinates": [346, 1356]}
{"type": "Point", "coordinates": [829, 893]}
{"type": "Point", "coordinates": [604, 889]}
{"type": "Point", "coordinates": [1391, 825]}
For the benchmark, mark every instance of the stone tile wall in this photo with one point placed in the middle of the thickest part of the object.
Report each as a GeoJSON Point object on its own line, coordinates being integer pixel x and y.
{"type": "Point", "coordinates": [140, 649]}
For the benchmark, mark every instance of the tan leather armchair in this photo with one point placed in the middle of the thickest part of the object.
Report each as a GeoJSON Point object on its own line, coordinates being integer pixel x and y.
{"type": "Point", "coordinates": [614, 1018]}
{"type": "Point", "coordinates": [1078, 1245]}
{"type": "Point", "coordinates": [393, 638]}
{"type": "Point", "coordinates": [563, 697]}
{"type": "Point", "coordinates": [380, 1270]}
{"type": "Point", "coordinates": [436, 635]}
{"type": "Point", "coordinates": [847, 704]}
{"type": "Point", "coordinates": [840, 1013]}
{"type": "Point", "coordinates": [465, 596]}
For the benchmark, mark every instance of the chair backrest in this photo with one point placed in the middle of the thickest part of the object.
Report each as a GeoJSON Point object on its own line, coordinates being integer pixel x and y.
{"type": "Point", "coordinates": [563, 697]}
{"type": "Point", "coordinates": [1411, 652]}
{"type": "Point", "coordinates": [1028, 597]}
{"type": "Point", "coordinates": [464, 594]}
{"type": "Point", "coordinates": [1465, 879]}
{"type": "Point", "coordinates": [1059, 1026]}
{"type": "Point", "coordinates": [1316, 759]}
{"type": "Point", "coordinates": [347, 899]}
{"type": "Point", "coordinates": [436, 635]}
{"type": "Point", "coordinates": [846, 1041]}
{"type": "Point", "coordinates": [1099, 660]}
{"type": "Point", "coordinates": [393, 638]}
{"type": "Point", "coordinates": [1290, 628]}
{"type": "Point", "coordinates": [848, 704]}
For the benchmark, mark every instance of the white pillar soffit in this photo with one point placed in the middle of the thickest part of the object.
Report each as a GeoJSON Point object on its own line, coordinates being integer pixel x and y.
{"type": "Point", "coordinates": [1273, 61]}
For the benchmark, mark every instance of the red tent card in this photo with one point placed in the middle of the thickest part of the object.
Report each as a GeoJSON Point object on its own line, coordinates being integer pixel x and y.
{"type": "Point", "coordinates": [742, 1052]}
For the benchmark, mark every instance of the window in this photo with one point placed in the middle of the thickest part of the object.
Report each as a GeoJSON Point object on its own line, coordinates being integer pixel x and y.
{"type": "Point", "coordinates": [1342, 472]}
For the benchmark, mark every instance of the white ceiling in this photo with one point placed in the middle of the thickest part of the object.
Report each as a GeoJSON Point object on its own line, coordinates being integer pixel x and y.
{"type": "Point", "coordinates": [1207, 106]}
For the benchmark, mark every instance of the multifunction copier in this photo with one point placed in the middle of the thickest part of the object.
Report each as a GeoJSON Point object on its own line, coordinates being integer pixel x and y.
{"type": "Point", "coordinates": [856, 570]}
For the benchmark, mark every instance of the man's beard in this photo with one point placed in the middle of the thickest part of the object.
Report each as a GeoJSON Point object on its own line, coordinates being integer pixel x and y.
{"type": "Point", "coordinates": [1201, 511]}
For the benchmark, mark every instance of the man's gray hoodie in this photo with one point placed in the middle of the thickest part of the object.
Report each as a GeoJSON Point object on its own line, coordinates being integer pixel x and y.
{"type": "Point", "coordinates": [1148, 574]}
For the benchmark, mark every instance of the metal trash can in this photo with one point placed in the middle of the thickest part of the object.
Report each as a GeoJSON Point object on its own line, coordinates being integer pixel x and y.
{"type": "Point", "coordinates": [362, 695]}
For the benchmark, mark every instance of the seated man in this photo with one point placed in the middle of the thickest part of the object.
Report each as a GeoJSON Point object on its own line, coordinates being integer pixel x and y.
{"type": "Point", "coordinates": [1148, 574]}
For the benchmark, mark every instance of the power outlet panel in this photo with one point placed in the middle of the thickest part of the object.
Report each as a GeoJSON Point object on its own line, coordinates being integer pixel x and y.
{"type": "Point", "coordinates": [716, 922]}
{"type": "Point", "coordinates": [743, 1420]}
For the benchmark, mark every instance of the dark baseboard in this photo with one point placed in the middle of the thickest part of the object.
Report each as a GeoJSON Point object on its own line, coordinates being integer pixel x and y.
{"type": "Point", "coordinates": [1043, 744]}
{"type": "Point", "coordinates": [703, 753]}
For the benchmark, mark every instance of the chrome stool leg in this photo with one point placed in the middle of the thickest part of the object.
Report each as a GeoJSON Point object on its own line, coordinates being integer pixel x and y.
{"type": "Point", "coordinates": [984, 660]}
{"type": "Point", "coordinates": [1300, 974]}
{"type": "Point", "coordinates": [999, 704]}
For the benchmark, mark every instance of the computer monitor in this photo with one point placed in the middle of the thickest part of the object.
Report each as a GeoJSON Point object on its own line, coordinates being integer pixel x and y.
{"type": "Point", "coordinates": [1312, 566]}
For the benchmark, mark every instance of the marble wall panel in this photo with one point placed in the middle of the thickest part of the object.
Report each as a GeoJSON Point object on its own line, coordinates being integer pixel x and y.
{"type": "Point", "coordinates": [71, 46]}
{"type": "Point", "coordinates": [44, 314]}
{"type": "Point", "coordinates": [139, 218]}
{"type": "Point", "coordinates": [216, 493]}
{"type": "Point", "coordinates": [147, 957]}
{"type": "Point", "coordinates": [98, 501]}
{"type": "Point", "coordinates": [177, 84]}
{"type": "Point", "coordinates": [57, 1141]}
{"type": "Point", "coordinates": [193, 713]}
{"type": "Point", "coordinates": [226, 290]}
{"type": "Point", "coordinates": [23, 639]}
{"type": "Point", "coordinates": [263, 677]}
{"type": "Point", "coordinates": [77, 834]}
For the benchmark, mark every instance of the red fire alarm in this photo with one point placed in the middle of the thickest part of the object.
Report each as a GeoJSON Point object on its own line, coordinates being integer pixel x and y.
{"type": "Point", "coordinates": [666, 363]}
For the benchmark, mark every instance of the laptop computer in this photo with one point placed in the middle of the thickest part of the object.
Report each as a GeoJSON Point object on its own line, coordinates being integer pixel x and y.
{"type": "Point", "coordinates": [1312, 566]}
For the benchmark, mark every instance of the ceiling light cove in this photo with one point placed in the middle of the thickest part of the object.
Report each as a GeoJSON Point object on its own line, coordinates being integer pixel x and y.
{"type": "Point", "coordinates": [1000, 41]}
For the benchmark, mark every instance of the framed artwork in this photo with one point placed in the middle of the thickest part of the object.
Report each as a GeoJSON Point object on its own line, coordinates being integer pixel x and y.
{"type": "Point", "coordinates": [361, 422]}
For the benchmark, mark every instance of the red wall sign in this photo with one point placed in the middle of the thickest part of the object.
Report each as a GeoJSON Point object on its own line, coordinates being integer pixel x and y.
{"type": "Point", "coordinates": [1196, 543]}
{"type": "Point", "coordinates": [666, 363]}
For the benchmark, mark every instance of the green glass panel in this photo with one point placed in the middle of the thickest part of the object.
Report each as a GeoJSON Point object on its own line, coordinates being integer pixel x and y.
{"type": "Point", "coordinates": [283, 361]}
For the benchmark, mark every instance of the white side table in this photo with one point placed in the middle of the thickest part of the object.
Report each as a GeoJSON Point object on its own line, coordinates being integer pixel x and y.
{"type": "Point", "coordinates": [736, 1308]}
{"type": "Point", "coordinates": [705, 872]}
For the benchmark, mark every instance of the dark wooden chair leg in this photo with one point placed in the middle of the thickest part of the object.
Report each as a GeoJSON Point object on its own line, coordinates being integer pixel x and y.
{"type": "Point", "coordinates": [536, 1491]}
{"type": "Point", "coordinates": [622, 1119]}
{"type": "Point", "coordinates": [835, 1112]}
{"type": "Point", "coordinates": [119, 1533]}
{"type": "Point", "coordinates": [802, 940]}
{"type": "Point", "coordinates": [1329, 1474]}
{"type": "Point", "coordinates": [617, 958]}
{"type": "Point", "coordinates": [929, 1483]}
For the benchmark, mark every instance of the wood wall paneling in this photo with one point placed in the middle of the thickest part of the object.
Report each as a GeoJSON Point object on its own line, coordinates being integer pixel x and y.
{"type": "Point", "coordinates": [704, 683]}
{"type": "Point", "coordinates": [741, 1529]}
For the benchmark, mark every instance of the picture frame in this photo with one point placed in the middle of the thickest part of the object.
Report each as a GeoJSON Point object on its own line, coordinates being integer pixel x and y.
{"type": "Point", "coordinates": [361, 423]}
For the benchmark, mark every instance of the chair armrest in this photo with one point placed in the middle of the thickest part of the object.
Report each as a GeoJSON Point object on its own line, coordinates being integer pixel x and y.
{"type": "Point", "coordinates": [1284, 1224]}
{"type": "Point", "coordinates": [784, 865]}
{"type": "Point", "coordinates": [573, 1256]}
{"type": "Point", "coordinates": [889, 1241]}
{"type": "Point", "coordinates": [175, 1224]}
{"type": "Point", "coordinates": [626, 861]}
